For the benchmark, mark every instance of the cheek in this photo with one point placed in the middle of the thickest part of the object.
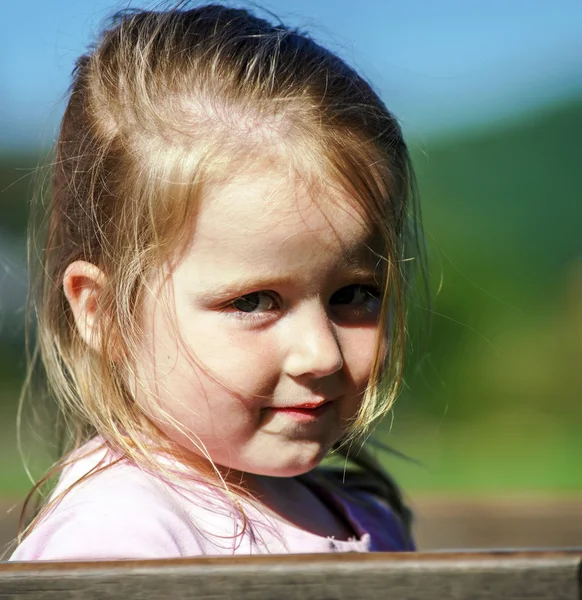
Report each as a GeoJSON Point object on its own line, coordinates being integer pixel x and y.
{"type": "Point", "coordinates": [247, 361]}
{"type": "Point", "coordinates": [358, 347]}
{"type": "Point", "coordinates": [217, 366]}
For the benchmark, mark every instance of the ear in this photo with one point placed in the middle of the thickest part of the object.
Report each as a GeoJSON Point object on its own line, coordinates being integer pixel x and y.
{"type": "Point", "coordinates": [82, 283]}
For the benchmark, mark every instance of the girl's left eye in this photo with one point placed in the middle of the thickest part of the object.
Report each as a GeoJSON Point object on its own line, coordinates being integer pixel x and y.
{"type": "Point", "coordinates": [357, 296]}
{"type": "Point", "coordinates": [256, 302]}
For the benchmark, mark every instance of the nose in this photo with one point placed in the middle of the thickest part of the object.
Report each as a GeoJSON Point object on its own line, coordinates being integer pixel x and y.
{"type": "Point", "coordinates": [313, 349]}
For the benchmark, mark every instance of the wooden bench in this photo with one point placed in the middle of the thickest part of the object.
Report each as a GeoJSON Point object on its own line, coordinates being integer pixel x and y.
{"type": "Point", "coordinates": [500, 575]}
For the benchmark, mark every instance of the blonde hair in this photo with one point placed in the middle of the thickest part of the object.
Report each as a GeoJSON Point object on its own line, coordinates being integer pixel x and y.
{"type": "Point", "coordinates": [162, 106]}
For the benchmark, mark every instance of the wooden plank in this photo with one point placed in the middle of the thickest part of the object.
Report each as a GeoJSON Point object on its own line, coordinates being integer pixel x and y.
{"type": "Point", "coordinates": [475, 576]}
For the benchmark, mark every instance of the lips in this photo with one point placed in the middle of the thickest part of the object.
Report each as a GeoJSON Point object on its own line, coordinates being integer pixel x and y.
{"type": "Point", "coordinates": [313, 405]}
{"type": "Point", "coordinates": [310, 405]}
{"type": "Point", "coordinates": [305, 412]}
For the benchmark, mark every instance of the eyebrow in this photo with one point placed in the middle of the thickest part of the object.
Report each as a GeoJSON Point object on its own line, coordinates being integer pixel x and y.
{"type": "Point", "coordinates": [246, 285]}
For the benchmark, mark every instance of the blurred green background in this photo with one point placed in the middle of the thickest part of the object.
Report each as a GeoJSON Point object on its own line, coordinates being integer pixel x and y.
{"type": "Point", "coordinates": [494, 404]}
{"type": "Point", "coordinates": [492, 398]}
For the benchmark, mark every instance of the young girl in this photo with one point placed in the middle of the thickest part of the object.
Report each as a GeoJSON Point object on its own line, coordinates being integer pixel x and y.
{"type": "Point", "coordinates": [222, 296]}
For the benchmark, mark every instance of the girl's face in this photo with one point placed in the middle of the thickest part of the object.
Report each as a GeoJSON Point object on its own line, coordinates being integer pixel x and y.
{"type": "Point", "coordinates": [260, 342]}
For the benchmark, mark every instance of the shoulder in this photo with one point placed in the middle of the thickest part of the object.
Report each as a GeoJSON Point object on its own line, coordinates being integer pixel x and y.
{"type": "Point", "coordinates": [112, 510]}
{"type": "Point", "coordinates": [366, 507]}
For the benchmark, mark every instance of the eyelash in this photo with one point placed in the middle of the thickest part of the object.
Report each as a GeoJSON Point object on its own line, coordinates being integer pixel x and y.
{"type": "Point", "coordinates": [371, 292]}
{"type": "Point", "coordinates": [250, 316]}
{"type": "Point", "coordinates": [241, 314]}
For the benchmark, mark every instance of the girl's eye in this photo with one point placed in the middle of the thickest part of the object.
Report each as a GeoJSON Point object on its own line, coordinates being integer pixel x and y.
{"type": "Point", "coordinates": [257, 302]}
{"type": "Point", "coordinates": [357, 296]}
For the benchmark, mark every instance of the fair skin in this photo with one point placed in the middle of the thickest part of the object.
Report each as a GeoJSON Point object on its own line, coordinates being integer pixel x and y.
{"type": "Point", "coordinates": [258, 343]}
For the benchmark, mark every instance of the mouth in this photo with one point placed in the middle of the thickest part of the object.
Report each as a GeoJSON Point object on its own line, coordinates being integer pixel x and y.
{"type": "Point", "coordinates": [311, 405]}
{"type": "Point", "coordinates": [305, 410]}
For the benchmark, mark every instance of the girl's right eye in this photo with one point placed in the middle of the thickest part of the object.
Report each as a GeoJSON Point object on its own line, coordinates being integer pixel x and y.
{"type": "Point", "coordinates": [256, 302]}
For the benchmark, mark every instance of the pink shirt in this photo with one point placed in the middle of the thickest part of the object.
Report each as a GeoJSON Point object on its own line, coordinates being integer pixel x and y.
{"type": "Point", "coordinates": [124, 512]}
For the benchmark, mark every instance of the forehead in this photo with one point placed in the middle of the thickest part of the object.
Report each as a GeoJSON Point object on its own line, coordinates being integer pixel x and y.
{"type": "Point", "coordinates": [277, 206]}
{"type": "Point", "coordinates": [270, 228]}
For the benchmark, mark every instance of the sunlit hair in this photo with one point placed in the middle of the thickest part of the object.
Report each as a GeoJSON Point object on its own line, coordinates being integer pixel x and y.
{"type": "Point", "coordinates": [166, 104]}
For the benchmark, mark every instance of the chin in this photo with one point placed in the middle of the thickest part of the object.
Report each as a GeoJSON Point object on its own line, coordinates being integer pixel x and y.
{"type": "Point", "coordinates": [294, 468]}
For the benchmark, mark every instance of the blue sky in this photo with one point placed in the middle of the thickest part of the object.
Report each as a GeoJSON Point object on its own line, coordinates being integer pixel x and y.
{"type": "Point", "coordinates": [438, 64]}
